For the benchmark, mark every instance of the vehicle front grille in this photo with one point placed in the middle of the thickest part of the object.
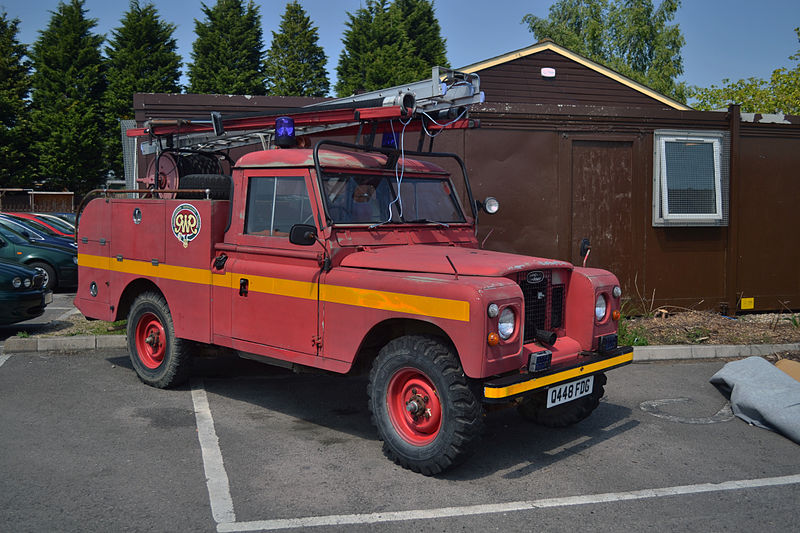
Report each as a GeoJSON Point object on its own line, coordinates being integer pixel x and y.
{"type": "Point", "coordinates": [544, 302]}
{"type": "Point", "coordinates": [38, 281]}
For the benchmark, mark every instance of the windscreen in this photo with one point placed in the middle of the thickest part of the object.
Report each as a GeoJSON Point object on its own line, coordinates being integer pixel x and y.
{"type": "Point", "coordinates": [373, 199]}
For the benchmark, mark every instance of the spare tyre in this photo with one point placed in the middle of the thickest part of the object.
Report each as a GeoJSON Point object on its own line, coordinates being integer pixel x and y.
{"type": "Point", "coordinates": [218, 185]}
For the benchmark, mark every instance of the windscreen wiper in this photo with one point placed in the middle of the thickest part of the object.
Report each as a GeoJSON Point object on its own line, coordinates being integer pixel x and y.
{"type": "Point", "coordinates": [427, 221]}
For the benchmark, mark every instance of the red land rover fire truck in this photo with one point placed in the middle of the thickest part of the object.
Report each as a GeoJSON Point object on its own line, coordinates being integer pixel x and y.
{"type": "Point", "coordinates": [347, 258]}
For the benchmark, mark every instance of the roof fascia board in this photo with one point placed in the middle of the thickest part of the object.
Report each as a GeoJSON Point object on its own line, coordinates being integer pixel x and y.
{"type": "Point", "coordinates": [605, 71]}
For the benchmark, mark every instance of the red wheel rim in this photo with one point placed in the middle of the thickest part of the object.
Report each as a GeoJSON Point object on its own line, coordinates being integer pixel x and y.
{"type": "Point", "coordinates": [414, 406]}
{"type": "Point", "coordinates": [150, 340]}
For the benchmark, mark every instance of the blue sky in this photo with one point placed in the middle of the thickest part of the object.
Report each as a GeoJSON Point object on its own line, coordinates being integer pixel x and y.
{"type": "Point", "coordinates": [724, 38]}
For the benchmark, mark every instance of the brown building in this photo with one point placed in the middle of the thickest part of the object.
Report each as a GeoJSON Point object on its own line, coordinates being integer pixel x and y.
{"type": "Point", "coordinates": [689, 208]}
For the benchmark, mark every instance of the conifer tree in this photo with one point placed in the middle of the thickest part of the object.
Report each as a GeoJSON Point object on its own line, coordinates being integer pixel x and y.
{"type": "Point", "coordinates": [387, 45]}
{"type": "Point", "coordinates": [423, 31]}
{"type": "Point", "coordinates": [14, 89]}
{"type": "Point", "coordinates": [142, 57]}
{"type": "Point", "coordinates": [228, 52]}
{"type": "Point", "coordinates": [68, 84]}
{"type": "Point", "coordinates": [295, 64]}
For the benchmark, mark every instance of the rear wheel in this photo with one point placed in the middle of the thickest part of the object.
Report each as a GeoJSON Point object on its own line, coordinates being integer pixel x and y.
{"type": "Point", "coordinates": [159, 358]}
{"type": "Point", "coordinates": [49, 273]}
{"type": "Point", "coordinates": [534, 408]}
{"type": "Point", "coordinates": [425, 413]}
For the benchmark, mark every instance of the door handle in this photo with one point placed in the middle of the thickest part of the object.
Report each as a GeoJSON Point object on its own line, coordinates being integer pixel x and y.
{"type": "Point", "coordinates": [243, 284]}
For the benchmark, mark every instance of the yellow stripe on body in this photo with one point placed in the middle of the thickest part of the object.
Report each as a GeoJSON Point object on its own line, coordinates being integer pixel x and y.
{"type": "Point", "coordinates": [371, 299]}
{"type": "Point", "coordinates": [544, 381]}
{"type": "Point", "coordinates": [144, 268]}
{"type": "Point", "coordinates": [395, 301]}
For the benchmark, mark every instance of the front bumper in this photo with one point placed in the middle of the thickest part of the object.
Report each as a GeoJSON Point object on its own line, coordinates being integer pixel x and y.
{"type": "Point", "coordinates": [18, 306]}
{"type": "Point", "coordinates": [508, 387]}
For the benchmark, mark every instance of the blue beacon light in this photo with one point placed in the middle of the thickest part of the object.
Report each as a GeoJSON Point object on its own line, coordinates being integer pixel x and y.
{"type": "Point", "coordinates": [284, 132]}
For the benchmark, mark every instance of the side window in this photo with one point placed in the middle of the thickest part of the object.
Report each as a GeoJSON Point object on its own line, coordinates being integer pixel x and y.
{"type": "Point", "coordinates": [690, 178]}
{"type": "Point", "coordinates": [275, 204]}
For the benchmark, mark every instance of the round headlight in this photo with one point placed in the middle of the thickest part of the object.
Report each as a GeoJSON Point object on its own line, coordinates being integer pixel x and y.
{"type": "Point", "coordinates": [492, 310]}
{"type": "Point", "coordinates": [616, 291]}
{"type": "Point", "coordinates": [27, 282]}
{"type": "Point", "coordinates": [491, 205]}
{"type": "Point", "coordinates": [506, 324]}
{"type": "Point", "coordinates": [600, 307]}
{"type": "Point", "coordinates": [16, 283]}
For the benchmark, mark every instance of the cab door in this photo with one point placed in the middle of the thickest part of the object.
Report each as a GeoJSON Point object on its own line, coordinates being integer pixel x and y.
{"type": "Point", "coordinates": [274, 283]}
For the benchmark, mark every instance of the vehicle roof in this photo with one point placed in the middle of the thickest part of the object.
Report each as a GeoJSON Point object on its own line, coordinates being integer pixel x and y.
{"type": "Point", "coordinates": [288, 158]}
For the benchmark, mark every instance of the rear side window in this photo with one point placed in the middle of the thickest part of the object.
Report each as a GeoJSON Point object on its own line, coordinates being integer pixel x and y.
{"type": "Point", "coordinates": [275, 204]}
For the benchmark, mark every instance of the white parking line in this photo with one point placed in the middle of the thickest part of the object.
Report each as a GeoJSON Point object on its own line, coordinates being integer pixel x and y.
{"type": "Point", "coordinates": [222, 502]}
{"type": "Point", "coordinates": [3, 359]}
{"type": "Point", "coordinates": [64, 316]}
{"type": "Point", "coordinates": [219, 491]}
{"type": "Point", "coordinates": [447, 512]}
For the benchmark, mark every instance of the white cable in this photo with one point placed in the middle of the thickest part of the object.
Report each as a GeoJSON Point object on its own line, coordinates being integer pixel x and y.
{"type": "Point", "coordinates": [442, 126]}
{"type": "Point", "coordinates": [398, 177]}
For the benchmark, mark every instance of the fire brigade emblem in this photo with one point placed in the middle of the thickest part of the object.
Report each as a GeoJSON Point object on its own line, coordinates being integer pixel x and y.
{"type": "Point", "coordinates": [185, 223]}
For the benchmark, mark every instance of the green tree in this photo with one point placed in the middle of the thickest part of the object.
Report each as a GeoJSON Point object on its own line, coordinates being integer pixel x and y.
{"type": "Point", "coordinates": [386, 45]}
{"type": "Point", "coordinates": [779, 94]}
{"type": "Point", "coordinates": [422, 30]}
{"type": "Point", "coordinates": [14, 88]}
{"type": "Point", "coordinates": [632, 37]}
{"type": "Point", "coordinates": [295, 64]}
{"type": "Point", "coordinates": [228, 53]}
{"type": "Point", "coordinates": [68, 84]}
{"type": "Point", "coordinates": [142, 57]}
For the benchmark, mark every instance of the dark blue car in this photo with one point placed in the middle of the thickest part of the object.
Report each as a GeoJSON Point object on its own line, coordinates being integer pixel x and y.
{"type": "Point", "coordinates": [32, 233]}
{"type": "Point", "coordinates": [22, 294]}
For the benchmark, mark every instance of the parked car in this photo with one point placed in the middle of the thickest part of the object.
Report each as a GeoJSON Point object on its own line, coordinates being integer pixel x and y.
{"type": "Point", "coordinates": [69, 217]}
{"type": "Point", "coordinates": [22, 293]}
{"type": "Point", "coordinates": [59, 264]}
{"type": "Point", "coordinates": [62, 230]}
{"type": "Point", "coordinates": [55, 221]}
{"type": "Point", "coordinates": [35, 232]}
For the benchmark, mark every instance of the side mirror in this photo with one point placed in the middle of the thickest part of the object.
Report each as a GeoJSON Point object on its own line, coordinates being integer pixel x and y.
{"type": "Point", "coordinates": [585, 248]}
{"type": "Point", "coordinates": [303, 234]}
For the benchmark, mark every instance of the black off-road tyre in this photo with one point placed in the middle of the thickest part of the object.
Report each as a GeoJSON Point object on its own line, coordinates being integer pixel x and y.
{"type": "Point", "coordinates": [423, 374]}
{"type": "Point", "coordinates": [219, 186]}
{"type": "Point", "coordinates": [534, 407]}
{"type": "Point", "coordinates": [50, 276]}
{"type": "Point", "coordinates": [160, 359]}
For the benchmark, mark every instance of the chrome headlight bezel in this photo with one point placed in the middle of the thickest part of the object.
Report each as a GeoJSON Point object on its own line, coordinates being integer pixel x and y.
{"type": "Point", "coordinates": [507, 323]}
{"type": "Point", "coordinates": [600, 307]}
{"type": "Point", "coordinates": [16, 282]}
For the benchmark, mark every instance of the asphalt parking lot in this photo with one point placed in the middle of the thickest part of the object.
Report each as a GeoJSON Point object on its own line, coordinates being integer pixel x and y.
{"type": "Point", "coordinates": [245, 447]}
{"type": "Point", "coordinates": [60, 308]}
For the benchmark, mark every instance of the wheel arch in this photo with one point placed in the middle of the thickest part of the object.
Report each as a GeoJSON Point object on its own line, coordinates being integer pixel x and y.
{"type": "Point", "coordinates": [387, 330]}
{"type": "Point", "coordinates": [131, 291]}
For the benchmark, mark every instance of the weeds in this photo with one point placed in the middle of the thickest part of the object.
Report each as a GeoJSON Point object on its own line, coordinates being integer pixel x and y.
{"type": "Point", "coordinates": [23, 334]}
{"type": "Point", "coordinates": [630, 334]}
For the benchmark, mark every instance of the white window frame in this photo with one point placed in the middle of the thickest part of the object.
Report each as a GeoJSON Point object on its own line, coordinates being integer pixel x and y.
{"type": "Point", "coordinates": [661, 211]}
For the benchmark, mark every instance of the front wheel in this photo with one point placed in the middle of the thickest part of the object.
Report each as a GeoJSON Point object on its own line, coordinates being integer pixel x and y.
{"type": "Point", "coordinates": [160, 359]}
{"type": "Point", "coordinates": [425, 413]}
{"type": "Point", "coordinates": [50, 278]}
